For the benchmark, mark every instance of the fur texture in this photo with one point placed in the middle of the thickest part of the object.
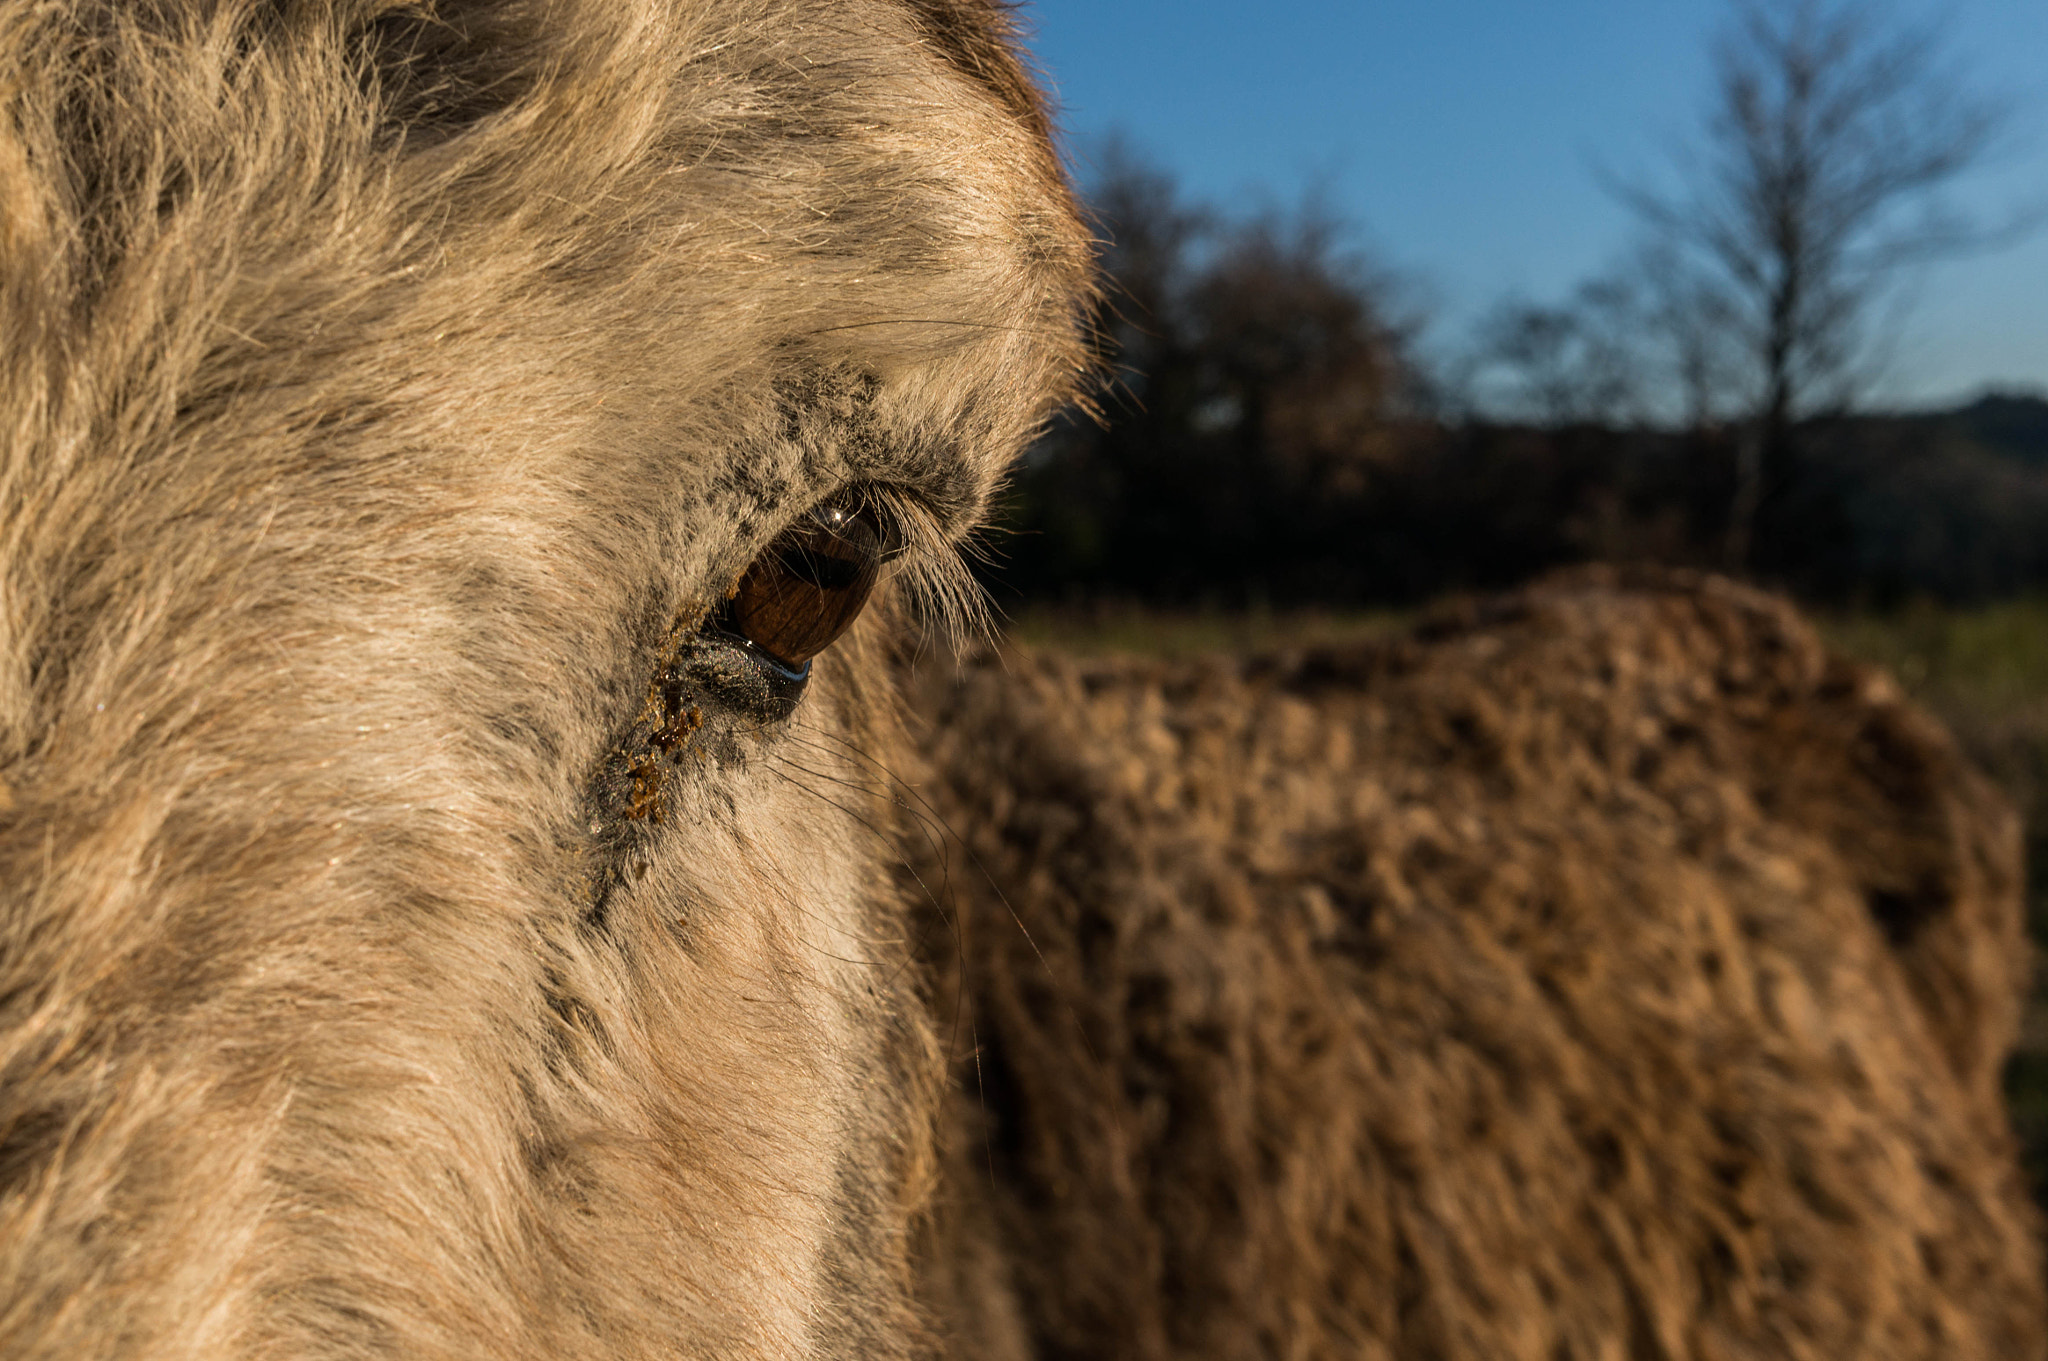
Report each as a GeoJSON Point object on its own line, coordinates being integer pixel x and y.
{"type": "Point", "coordinates": [386, 388]}
{"type": "Point", "coordinates": [399, 958]}
{"type": "Point", "coordinates": [1604, 972]}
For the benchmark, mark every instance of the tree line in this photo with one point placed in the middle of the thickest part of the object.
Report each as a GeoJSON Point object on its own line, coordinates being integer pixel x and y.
{"type": "Point", "coordinates": [1271, 434]}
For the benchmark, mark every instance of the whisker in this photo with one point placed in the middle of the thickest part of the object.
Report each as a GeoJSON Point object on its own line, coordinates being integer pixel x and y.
{"type": "Point", "coordinates": [937, 901]}
{"type": "Point", "coordinates": [925, 826]}
{"type": "Point", "coordinates": [1060, 991]}
{"type": "Point", "coordinates": [926, 821]}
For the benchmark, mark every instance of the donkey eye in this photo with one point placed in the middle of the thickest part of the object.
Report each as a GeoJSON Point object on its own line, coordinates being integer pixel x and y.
{"type": "Point", "coordinates": [809, 586]}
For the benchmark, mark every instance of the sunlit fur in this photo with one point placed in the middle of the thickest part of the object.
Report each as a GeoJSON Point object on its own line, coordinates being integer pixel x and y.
{"type": "Point", "coordinates": [383, 387]}
{"type": "Point", "coordinates": [399, 957]}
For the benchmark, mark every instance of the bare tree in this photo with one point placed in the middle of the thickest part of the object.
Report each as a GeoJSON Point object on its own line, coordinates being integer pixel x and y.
{"type": "Point", "coordinates": [1687, 320]}
{"type": "Point", "coordinates": [1577, 362]}
{"type": "Point", "coordinates": [1835, 127]}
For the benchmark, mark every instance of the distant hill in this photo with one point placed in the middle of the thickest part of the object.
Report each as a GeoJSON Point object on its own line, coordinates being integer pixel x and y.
{"type": "Point", "coordinates": [1950, 503]}
{"type": "Point", "coordinates": [2012, 426]}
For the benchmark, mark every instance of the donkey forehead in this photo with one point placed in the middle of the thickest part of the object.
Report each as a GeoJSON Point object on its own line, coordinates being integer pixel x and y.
{"type": "Point", "coordinates": [631, 233]}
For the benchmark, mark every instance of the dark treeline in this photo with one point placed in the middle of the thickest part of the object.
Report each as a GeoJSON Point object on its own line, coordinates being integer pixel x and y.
{"type": "Point", "coordinates": [1271, 437]}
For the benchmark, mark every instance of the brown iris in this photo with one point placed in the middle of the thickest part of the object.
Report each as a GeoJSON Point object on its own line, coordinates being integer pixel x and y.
{"type": "Point", "coordinates": [809, 586]}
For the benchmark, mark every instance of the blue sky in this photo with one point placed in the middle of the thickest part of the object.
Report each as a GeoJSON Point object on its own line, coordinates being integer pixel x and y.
{"type": "Point", "coordinates": [1462, 139]}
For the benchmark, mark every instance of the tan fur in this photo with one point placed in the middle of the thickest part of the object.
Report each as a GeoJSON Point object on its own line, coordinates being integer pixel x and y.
{"type": "Point", "coordinates": [1606, 972]}
{"type": "Point", "coordinates": [387, 967]}
{"type": "Point", "coordinates": [382, 386]}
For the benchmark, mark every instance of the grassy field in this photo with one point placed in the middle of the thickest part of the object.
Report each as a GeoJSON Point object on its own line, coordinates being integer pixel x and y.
{"type": "Point", "coordinates": [1155, 633]}
{"type": "Point", "coordinates": [1983, 670]}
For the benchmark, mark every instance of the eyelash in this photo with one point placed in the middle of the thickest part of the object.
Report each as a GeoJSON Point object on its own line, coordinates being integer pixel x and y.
{"type": "Point", "coordinates": [930, 573]}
